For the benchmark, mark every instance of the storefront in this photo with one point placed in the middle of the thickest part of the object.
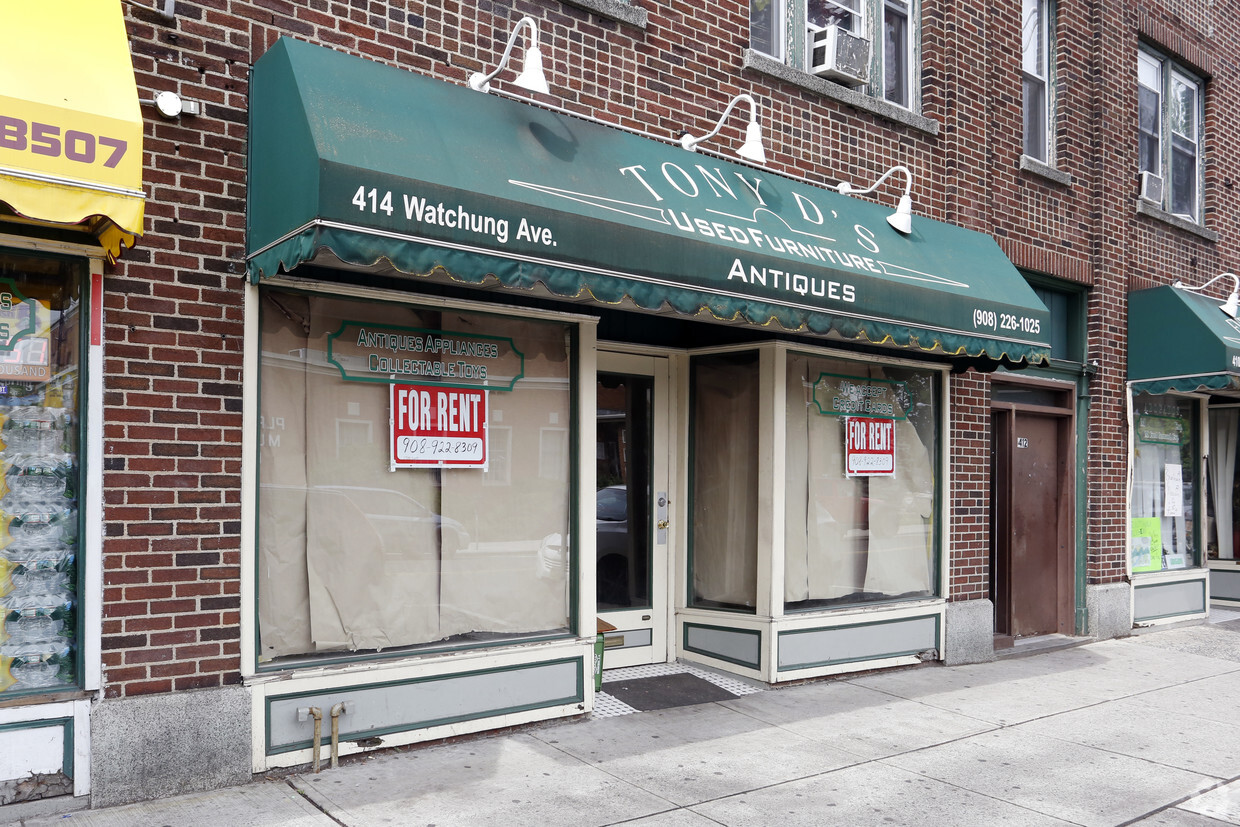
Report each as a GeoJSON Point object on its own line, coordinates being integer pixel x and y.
{"type": "Point", "coordinates": [477, 326]}
{"type": "Point", "coordinates": [1185, 397]}
{"type": "Point", "coordinates": [70, 198]}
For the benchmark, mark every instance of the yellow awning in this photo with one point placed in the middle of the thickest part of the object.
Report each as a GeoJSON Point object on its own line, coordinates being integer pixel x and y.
{"type": "Point", "coordinates": [70, 124]}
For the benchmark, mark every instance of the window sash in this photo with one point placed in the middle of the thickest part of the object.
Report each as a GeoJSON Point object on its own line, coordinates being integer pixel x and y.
{"type": "Point", "coordinates": [766, 27]}
{"type": "Point", "coordinates": [889, 25]}
{"type": "Point", "coordinates": [1035, 59]}
{"type": "Point", "coordinates": [1184, 126]}
{"type": "Point", "coordinates": [1150, 129]}
{"type": "Point", "coordinates": [1169, 132]}
{"type": "Point", "coordinates": [897, 57]}
{"type": "Point", "coordinates": [848, 14]}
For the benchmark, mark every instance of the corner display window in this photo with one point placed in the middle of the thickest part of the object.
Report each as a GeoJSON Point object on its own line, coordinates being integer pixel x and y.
{"type": "Point", "coordinates": [414, 477]}
{"type": "Point", "coordinates": [40, 351]}
{"type": "Point", "coordinates": [1164, 468]}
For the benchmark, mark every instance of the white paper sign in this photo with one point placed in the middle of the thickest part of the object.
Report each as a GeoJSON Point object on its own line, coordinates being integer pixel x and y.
{"type": "Point", "coordinates": [1173, 490]}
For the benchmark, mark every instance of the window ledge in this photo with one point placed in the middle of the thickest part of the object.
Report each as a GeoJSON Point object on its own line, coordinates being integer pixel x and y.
{"type": "Point", "coordinates": [858, 100]}
{"type": "Point", "coordinates": [1028, 164]}
{"type": "Point", "coordinates": [617, 10]}
{"type": "Point", "coordinates": [1150, 211]}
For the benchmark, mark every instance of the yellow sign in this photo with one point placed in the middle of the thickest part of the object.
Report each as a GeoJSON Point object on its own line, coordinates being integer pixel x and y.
{"type": "Point", "coordinates": [70, 124]}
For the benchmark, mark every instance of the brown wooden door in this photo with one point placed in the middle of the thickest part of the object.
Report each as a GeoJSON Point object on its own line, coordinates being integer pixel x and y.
{"type": "Point", "coordinates": [1033, 561]}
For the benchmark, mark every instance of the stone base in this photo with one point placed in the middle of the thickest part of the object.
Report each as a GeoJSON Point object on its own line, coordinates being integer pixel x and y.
{"type": "Point", "coordinates": [969, 632]}
{"type": "Point", "coordinates": [155, 746]}
{"type": "Point", "coordinates": [1110, 610]}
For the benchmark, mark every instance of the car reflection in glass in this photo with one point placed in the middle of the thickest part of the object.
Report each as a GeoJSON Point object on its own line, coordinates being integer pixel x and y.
{"type": "Point", "coordinates": [612, 551]}
{"type": "Point", "coordinates": [391, 514]}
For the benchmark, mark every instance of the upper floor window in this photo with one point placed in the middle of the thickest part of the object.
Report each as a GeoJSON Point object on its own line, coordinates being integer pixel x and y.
{"type": "Point", "coordinates": [1035, 71]}
{"type": "Point", "coordinates": [765, 26]}
{"type": "Point", "coordinates": [897, 48]}
{"type": "Point", "coordinates": [869, 45]}
{"type": "Point", "coordinates": [1169, 135]}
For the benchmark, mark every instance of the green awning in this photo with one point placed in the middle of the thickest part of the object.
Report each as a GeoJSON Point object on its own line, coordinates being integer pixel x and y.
{"type": "Point", "coordinates": [380, 166]}
{"type": "Point", "coordinates": [1181, 341]}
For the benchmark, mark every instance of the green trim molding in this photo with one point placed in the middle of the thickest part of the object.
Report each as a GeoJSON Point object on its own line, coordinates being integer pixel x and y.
{"type": "Point", "coordinates": [717, 655]}
{"type": "Point", "coordinates": [66, 725]}
{"type": "Point", "coordinates": [482, 711]}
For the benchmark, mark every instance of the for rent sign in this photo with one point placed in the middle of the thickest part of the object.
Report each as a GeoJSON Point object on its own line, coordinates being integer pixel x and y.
{"type": "Point", "coordinates": [870, 447]}
{"type": "Point", "coordinates": [434, 427]}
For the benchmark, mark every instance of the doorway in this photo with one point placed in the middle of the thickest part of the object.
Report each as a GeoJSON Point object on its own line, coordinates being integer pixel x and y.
{"type": "Point", "coordinates": [633, 507]}
{"type": "Point", "coordinates": [1032, 513]}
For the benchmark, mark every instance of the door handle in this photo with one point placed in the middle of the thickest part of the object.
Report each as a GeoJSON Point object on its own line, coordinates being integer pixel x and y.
{"type": "Point", "coordinates": [661, 516]}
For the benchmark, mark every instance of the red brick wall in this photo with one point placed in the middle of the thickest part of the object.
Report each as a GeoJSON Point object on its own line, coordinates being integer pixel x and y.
{"type": "Point", "coordinates": [173, 306]}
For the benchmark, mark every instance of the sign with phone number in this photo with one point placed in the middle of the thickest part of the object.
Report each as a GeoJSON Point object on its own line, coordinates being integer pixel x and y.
{"type": "Point", "coordinates": [434, 427]}
{"type": "Point", "coordinates": [1005, 322]}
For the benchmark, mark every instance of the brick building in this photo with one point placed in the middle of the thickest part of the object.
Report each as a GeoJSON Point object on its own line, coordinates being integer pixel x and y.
{"type": "Point", "coordinates": [313, 447]}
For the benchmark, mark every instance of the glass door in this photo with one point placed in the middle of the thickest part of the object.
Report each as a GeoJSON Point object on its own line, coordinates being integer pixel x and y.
{"type": "Point", "coordinates": [632, 520]}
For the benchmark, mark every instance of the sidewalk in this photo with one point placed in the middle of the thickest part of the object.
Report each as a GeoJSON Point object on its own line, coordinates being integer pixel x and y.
{"type": "Point", "coordinates": [1140, 730]}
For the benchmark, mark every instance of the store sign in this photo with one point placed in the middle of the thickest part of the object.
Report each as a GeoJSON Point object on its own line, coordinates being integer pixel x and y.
{"type": "Point", "coordinates": [436, 427]}
{"type": "Point", "coordinates": [24, 349]}
{"type": "Point", "coordinates": [1162, 430]}
{"type": "Point", "coordinates": [869, 447]}
{"type": "Point", "coordinates": [860, 396]}
{"type": "Point", "coordinates": [443, 358]}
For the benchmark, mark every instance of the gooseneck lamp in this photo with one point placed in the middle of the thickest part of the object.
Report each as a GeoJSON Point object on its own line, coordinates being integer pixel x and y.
{"type": "Point", "coordinates": [531, 76]}
{"type": "Point", "coordinates": [751, 149]}
{"type": "Point", "coordinates": [902, 218]}
{"type": "Point", "coordinates": [1233, 301]}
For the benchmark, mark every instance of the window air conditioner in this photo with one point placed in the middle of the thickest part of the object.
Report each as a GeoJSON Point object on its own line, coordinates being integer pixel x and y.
{"type": "Point", "coordinates": [1152, 188]}
{"type": "Point", "coordinates": [839, 54]}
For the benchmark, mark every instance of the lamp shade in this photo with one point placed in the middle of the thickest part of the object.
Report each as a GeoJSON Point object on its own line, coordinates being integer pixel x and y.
{"type": "Point", "coordinates": [902, 218]}
{"type": "Point", "coordinates": [532, 76]}
{"type": "Point", "coordinates": [752, 149]}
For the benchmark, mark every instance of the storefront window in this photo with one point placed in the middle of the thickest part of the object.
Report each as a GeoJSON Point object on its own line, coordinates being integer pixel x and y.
{"type": "Point", "coordinates": [724, 541]}
{"type": "Point", "coordinates": [1163, 491]}
{"type": "Point", "coordinates": [1224, 501]}
{"type": "Point", "coordinates": [40, 359]}
{"type": "Point", "coordinates": [415, 476]}
{"type": "Point", "coordinates": [862, 448]}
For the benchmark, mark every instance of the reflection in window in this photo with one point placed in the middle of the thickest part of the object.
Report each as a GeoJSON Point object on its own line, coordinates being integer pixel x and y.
{"type": "Point", "coordinates": [859, 511]}
{"type": "Point", "coordinates": [1169, 131]}
{"type": "Point", "coordinates": [1035, 60]}
{"type": "Point", "coordinates": [1164, 467]}
{"type": "Point", "coordinates": [765, 22]}
{"type": "Point", "coordinates": [623, 437]}
{"type": "Point", "coordinates": [897, 52]}
{"type": "Point", "coordinates": [879, 42]}
{"type": "Point", "coordinates": [354, 556]}
{"type": "Point", "coordinates": [553, 453]}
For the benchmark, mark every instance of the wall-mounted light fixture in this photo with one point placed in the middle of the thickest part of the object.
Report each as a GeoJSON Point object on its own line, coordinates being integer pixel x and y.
{"type": "Point", "coordinates": [1232, 304]}
{"type": "Point", "coordinates": [531, 76]}
{"type": "Point", "coordinates": [171, 105]}
{"type": "Point", "coordinates": [752, 149]}
{"type": "Point", "coordinates": [902, 218]}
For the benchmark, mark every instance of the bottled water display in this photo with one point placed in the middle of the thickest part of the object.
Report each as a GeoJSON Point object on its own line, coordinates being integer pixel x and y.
{"type": "Point", "coordinates": [38, 540]}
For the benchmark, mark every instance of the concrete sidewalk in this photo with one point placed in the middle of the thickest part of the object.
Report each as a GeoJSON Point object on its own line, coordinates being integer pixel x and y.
{"type": "Point", "coordinates": [1143, 730]}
